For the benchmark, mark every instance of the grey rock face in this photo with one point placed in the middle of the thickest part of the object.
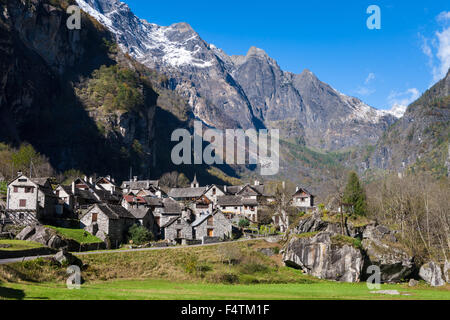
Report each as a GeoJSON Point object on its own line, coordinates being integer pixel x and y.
{"type": "Point", "coordinates": [319, 257]}
{"type": "Point", "coordinates": [447, 271]}
{"type": "Point", "coordinates": [242, 91]}
{"type": "Point", "coordinates": [379, 244]}
{"type": "Point", "coordinates": [413, 283]}
{"type": "Point", "coordinates": [65, 258]}
{"type": "Point", "coordinates": [42, 235]}
{"type": "Point", "coordinates": [432, 274]}
{"type": "Point", "coordinates": [26, 233]}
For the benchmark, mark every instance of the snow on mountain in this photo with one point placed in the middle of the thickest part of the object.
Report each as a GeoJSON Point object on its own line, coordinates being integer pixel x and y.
{"type": "Point", "coordinates": [241, 91]}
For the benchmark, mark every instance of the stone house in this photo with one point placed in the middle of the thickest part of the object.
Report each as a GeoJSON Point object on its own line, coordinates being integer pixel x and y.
{"type": "Point", "coordinates": [176, 229]}
{"type": "Point", "coordinates": [302, 198]}
{"type": "Point", "coordinates": [213, 224]}
{"type": "Point", "coordinates": [136, 186]}
{"type": "Point", "coordinates": [144, 217]}
{"type": "Point", "coordinates": [109, 220]}
{"type": "Point", "coordinates": [29, 200]}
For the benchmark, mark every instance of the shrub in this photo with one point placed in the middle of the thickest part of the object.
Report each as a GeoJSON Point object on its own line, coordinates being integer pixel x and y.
{"type": "Point", "coordinates": [139, 234]}
{"type": "Point", "coordinates": [244, 223]}
{"type": "Point", "coordinates": [230, 253]}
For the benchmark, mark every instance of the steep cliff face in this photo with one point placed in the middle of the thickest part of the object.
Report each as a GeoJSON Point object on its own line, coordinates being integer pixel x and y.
{"type": "Point", "coordinates": [47, 97]}
{"type": "Point", "coordinates": [421, 138]}
{"type": "Point", "coordinates": [242, 91]}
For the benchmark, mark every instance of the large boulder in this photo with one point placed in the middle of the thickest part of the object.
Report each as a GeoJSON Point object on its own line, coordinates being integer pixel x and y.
{"type": "Point", "coordinates": [432, 274]}
{"type": "Point", "coordinates": [42, 235]}
{"type": "Point", "coordinates": [65, 258]}
{"type": "Point", "coordinates": [315, 223]}
{"type": "Point", "coordinates": [56, 242]}
{"type": "Point", "coordinates": [383, 250]}
{"type": "Point", "coordinates": [322, 257]}
{"type": "Point", "coordinates": [26, 233]}
{"type": "Point", "coordinates": [447, 271]}
{"type": "Point", "coordinates": [379, 233]}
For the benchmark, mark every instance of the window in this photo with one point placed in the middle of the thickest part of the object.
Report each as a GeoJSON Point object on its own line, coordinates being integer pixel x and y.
{"type": "Point", "coordinates": [16, 189]}
{"type": "Point", "coordinates": [94, 217]}
{"type": "Point", "coordinates": [157, 221]}
{"type": "Point", "coordinates": [210, 232]}
{"type": "Point", "coordinates": [210, 221]}
{"type": "Point", "coordinates": [29, 189]}
{"type": "Point", "coordinates": [214, 191]}
{"type": "Point", "coordinates": [22, 180]}
{"type": "Point", "coordinates": [22, 203]}
{"type": "Point", "coordinates": [179, 221]}
{"type": "Point", "coordinates": [179, 235]}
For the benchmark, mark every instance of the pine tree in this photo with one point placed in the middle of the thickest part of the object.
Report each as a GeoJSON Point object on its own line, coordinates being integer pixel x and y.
{"type": "Point", "coordinates": [355, 195]}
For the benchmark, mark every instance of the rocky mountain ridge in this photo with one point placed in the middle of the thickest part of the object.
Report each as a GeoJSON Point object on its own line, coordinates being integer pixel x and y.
{"type": "Point", "coordinates": [248, 91]}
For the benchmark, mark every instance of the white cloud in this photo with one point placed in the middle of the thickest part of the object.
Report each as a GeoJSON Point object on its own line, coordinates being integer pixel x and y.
{"type": "Point", "coordinates": [369, 78]}
{"type": "Point", "coordinates": [404, 98]}
{"type": "Point", "coordinates": [364, 91]}
{"type": "Point", "coordinates": [443, 16]}
{"type": "Point", "coordinates": [439, 50]}
{"type": "Point", "coordinates": [443, 53]}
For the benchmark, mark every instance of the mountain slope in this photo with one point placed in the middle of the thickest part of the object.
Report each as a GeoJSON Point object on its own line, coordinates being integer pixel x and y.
{"type": "Point", "coordinates": [421, 138]}
{"type": "Point", "coordinates": [79, 100]}
{"type": "Point", "coordinates": [242, 91]}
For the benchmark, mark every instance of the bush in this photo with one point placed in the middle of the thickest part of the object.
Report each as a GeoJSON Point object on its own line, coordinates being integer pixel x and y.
{"type": "Point", "coordinates": [244, 223]}
{"type": "Point", "coordinates": [230, 254]}
{"type": "Point", "coordinates": [139, 234]}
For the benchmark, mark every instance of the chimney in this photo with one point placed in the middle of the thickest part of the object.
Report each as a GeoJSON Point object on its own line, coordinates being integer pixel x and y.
{"type": "Point", "coordinates": [284, 185]}
{"type": "Point", "coordinates": [91, 180]}
{"type": "Point", "coordinates": [113, 180]}
{"type": "Point", "coordinates": [257, 183]}
{"type": "Point", "coordinates": [19, 173]}
{"type": "Point", "coordinates": [296, 189]}
{"type": "Point", "coordinates": [108, 177]}
{"type": "Point", "coordinates": [85, 178]}
{"type": "Point", "coordinates": [73, 187]}
{"type": "Point", "coordinates": [135, 178]}
{"type": "Point", "coordinates": [225, 189]}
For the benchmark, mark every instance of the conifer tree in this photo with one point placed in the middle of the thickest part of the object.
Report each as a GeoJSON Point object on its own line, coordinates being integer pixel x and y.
{"type": "Point", "coordinates": [355, 195]}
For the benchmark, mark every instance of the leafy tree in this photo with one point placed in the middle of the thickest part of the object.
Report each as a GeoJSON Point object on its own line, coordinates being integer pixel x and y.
{"type": "Point", "coordinates": [139, 234]}
{"type": "Point", "coordinates": [355, 195]}
{"type": "Point", "coordinates": [244, 223]}
{"type": "Point", "coordinates": [3, 187]}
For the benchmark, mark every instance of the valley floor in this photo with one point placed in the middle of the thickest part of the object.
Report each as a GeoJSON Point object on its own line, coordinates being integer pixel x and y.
{"type": "Point", "coordinates": [167, 290]}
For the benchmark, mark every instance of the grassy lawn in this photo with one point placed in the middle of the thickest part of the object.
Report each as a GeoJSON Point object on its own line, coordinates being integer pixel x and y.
{"type": "Point", "coordinates": [230, 271]}
{"type": "Point", "coordinates": [79, 235]}
{"type": "Point", "coordinates": [165, 289]}
{"type": "Point", "coordinates": [19, 245]}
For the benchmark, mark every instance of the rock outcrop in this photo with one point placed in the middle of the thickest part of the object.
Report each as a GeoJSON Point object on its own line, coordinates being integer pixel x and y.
{"type": "Point", "coordinates": [379, 246]}
{"type": "Point", "coordinates": [431, 272]}
{"type": "Point", "coordinates": [383, 250]}
{"type": "Point", "coordinates": [322, 257]}
{"type": "Point", "coordinates": [447, 271]}
{"type": "Point", "coordinates": [43, 235]}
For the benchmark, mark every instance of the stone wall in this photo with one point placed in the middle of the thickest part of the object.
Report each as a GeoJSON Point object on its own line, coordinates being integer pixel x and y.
{"type": "Point", "coordinates": [221, 227]}
{"type": "Point", "coordinates": [170, 232]}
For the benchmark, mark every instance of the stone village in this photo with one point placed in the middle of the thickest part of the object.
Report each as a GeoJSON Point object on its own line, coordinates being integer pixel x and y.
{"type": "Point", "coordinates": [193, 215]}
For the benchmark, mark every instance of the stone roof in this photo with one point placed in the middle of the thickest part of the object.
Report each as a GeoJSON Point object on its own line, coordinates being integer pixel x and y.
{"type": "Point", "coordinates": [249, 202]}
{"type": "Point", "coordinates": [114, 211]}
{"type": "Point", "coordinates": [140, 184]}
{"type": "Point", "coordinates": [153, 202]}
{"type": "Point", "coordinates": [300, 191]}
{"type": "Point", "coordinates": [171, 207]}
{"type": "Point", "coordinates": [187, 192]}
{"type": "Point", "coordinates": [85, 194]}
{"type": "Point", "coordinates": [229, 201]}
{"type": "Point", "coordinates": [201, 219]}
{"type": "Point", "coordinates": [140, 213]}
{"type": "Point", "coordinates": [171, 220]}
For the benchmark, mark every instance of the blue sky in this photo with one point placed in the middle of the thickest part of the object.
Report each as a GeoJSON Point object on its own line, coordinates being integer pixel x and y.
{"type": "Point", "coordinates": [384, 67]}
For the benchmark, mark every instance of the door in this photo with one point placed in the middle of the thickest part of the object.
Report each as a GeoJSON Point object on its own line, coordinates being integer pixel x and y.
{"type": "Point", "coordinates": [210, 232]}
